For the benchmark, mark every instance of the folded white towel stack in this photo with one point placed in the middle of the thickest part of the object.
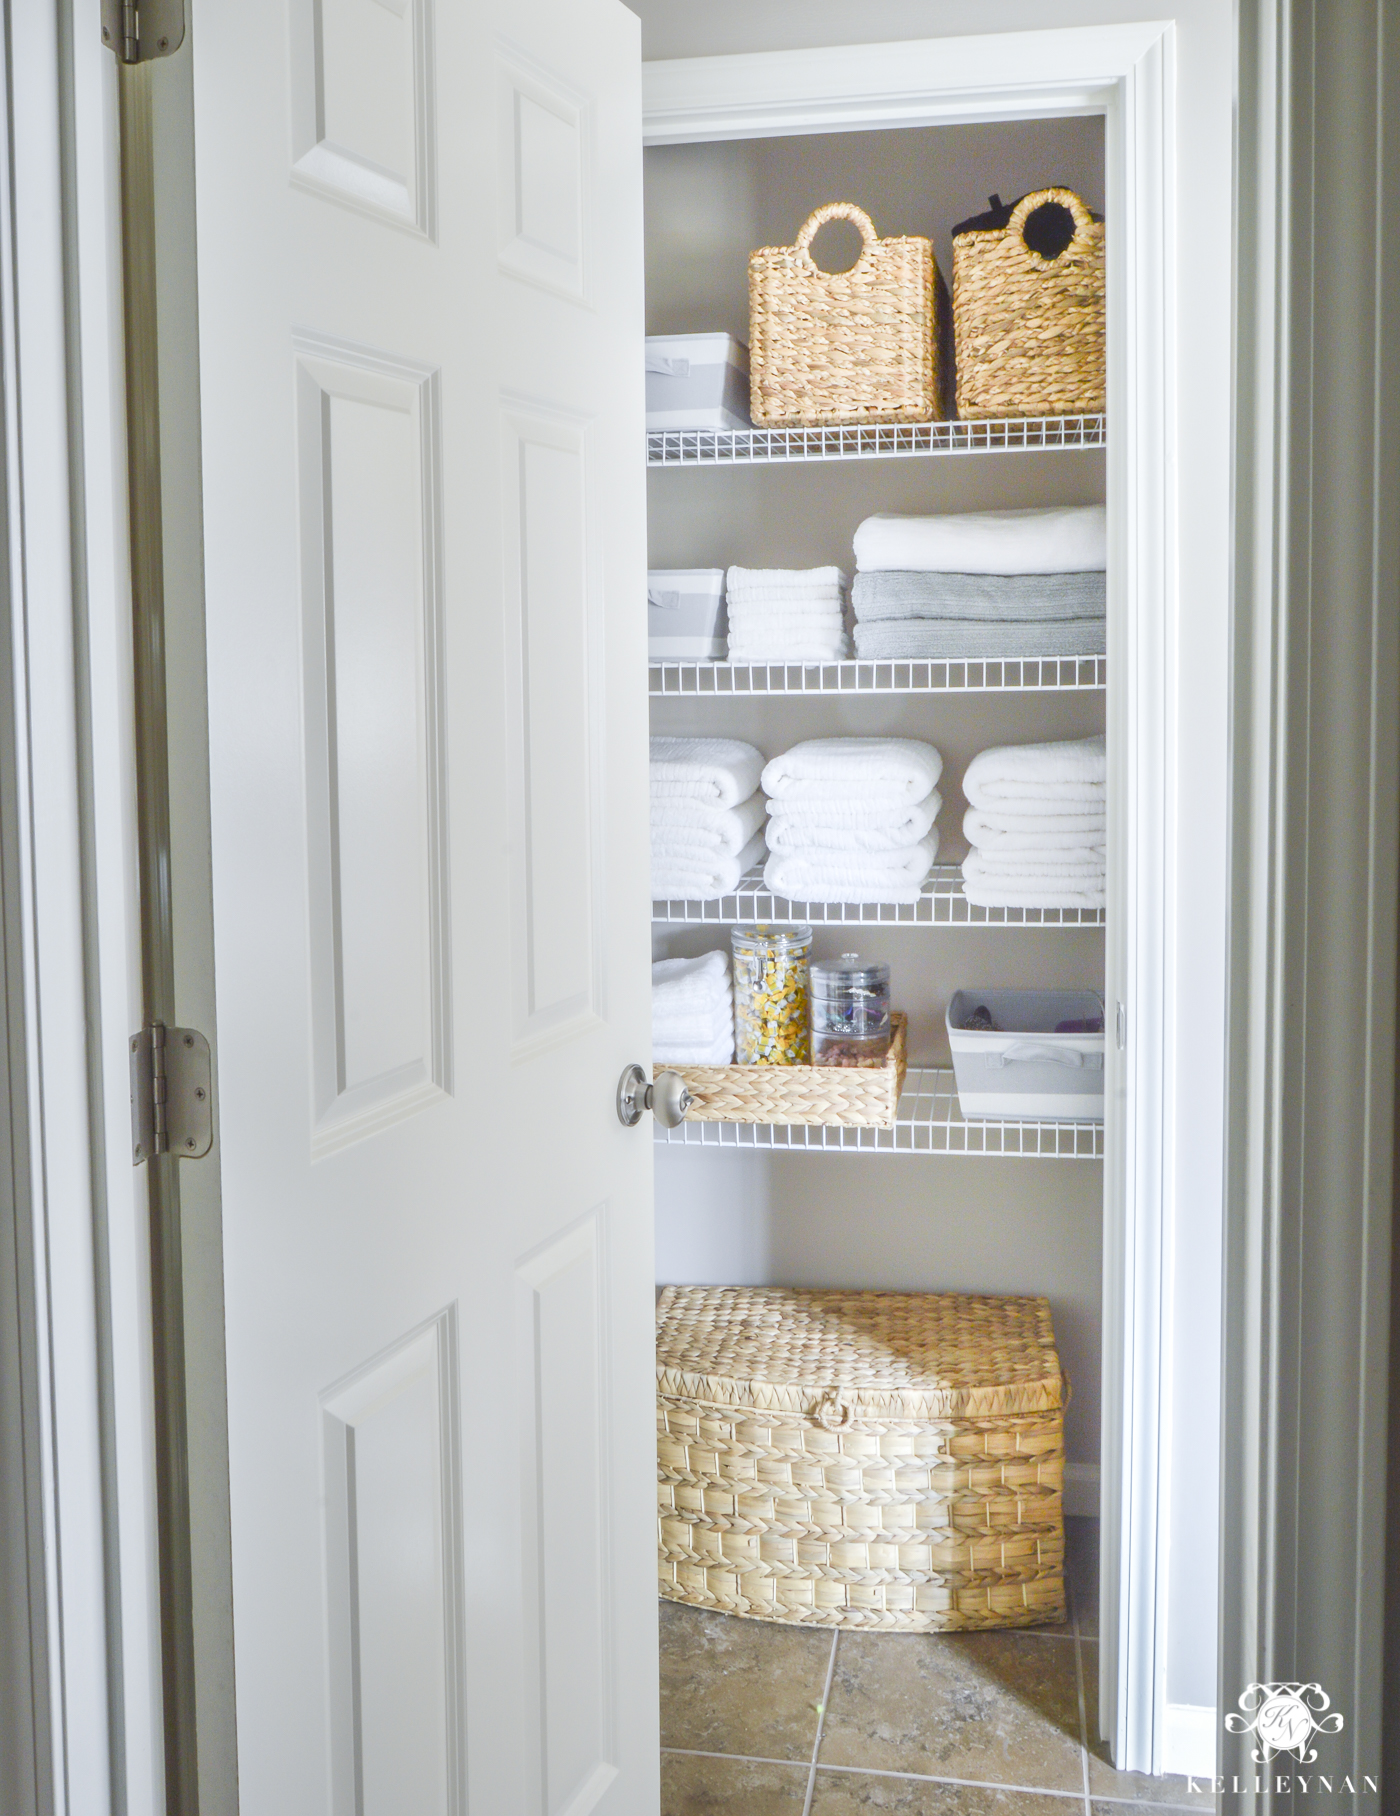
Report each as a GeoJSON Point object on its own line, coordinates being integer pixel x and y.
{"type": "Point", "coordinates": [692, 1011]}
{"type": "Point", "coordinates": [786, 614]}
{"type": "Point", "coordinates": [852, 819]}
{"type": "Point", "coordinates": [706, 816]}
{"type": "Point", "coordinates": [1037, 826]}
{"type": "Point", "coordinates": [981, 584]}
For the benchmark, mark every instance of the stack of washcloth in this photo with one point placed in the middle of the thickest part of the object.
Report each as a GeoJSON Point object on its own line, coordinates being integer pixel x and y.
{"type": "Point", "coordinates": [786, 614]}
{"type": "Point", "coordinates": [852, 819]}
{"type": "Point", "coordinates": [692, 1011]}
{"type": "Point", "coordinates": [984, 584]}
{"type": "Point", "coordinates": [706, 816]}
{"type": "Point", "coordinates": [1036, 823]}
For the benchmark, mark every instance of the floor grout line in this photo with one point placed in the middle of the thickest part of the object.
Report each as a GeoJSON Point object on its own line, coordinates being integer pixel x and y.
{"type": "Point", "coordinates": [821, 1723]}
{"type": "Point", "coordinates": [977, 1784]}
{"type": "Point", "coordinates": [1073, 1600]}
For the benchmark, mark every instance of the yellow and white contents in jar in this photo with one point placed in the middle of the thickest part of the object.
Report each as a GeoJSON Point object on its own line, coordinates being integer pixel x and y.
{"type": "Point", "coordinates": [771, 1010]}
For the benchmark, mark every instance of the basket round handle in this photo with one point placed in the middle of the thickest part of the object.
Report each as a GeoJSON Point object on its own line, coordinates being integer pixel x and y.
{"type": "Point", "coordinates": [1066, 198]}
{"type": "Point", "coordinates": [836, 211]}
{"type": "Point", "coordinates": [831, 1411]}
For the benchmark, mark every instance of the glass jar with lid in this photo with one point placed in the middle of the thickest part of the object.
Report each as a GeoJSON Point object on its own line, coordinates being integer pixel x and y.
{"type": "Point", "coordinates": [850, 1011]}
{"type": "Point", "coordinates": [771, 996]}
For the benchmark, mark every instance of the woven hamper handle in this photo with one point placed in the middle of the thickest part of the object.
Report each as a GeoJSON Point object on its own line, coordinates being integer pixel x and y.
{"type": "Point", "coordinates": [1066, 198]}
{"type": "Point", "coordinates": [836, 211]}
{"type": "Point", "coordinates": [831, 1412]}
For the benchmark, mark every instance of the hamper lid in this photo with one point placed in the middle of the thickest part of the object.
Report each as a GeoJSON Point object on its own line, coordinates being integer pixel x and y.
{"type": "Point", "coordinates": [881, 1355]}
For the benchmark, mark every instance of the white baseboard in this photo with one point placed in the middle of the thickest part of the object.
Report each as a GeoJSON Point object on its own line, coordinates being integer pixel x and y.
{"type": "Point", "coordinates": [1189, 1735]}
{"type": "Point", "coordinates": [1082, 1490]}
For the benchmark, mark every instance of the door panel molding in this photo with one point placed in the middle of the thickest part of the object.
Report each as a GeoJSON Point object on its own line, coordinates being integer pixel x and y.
{"type": "Point", "coordinates": [371, 485]}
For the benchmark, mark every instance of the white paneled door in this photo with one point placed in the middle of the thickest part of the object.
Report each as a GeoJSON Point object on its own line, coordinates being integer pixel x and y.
{"type": "Point", "coordinates": [420, 297]}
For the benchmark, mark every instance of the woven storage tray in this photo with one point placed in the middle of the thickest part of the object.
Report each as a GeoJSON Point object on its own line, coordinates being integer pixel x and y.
{"type": "Point", "coordinates": [851, 1096]}
{"type": "Point", "coordinates": [1029, 330]}
{"type": "Point", "coordinates": [844, 347]}
{"type": "Point", "coordinates": [872, 1460]}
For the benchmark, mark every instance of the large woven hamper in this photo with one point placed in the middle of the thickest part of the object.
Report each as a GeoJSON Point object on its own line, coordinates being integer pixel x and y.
{"type": "Point", "coordinates": [1028, 308]}
{"type": "Point", "coordinates": [892, 1461]}
{"type": "Point", "coordinates": [852, 346]}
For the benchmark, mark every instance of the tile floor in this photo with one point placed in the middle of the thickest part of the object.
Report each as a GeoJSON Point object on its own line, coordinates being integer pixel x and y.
{"type": "Point", "coordinates": [766, 1720]}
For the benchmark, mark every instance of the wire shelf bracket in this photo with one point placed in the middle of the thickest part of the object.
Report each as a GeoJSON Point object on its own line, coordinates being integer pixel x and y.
{"type": "Point", "coordinates": [871, 441]}
{"type": "Point", "coordinates": [941, 903]}
{"type": "Point", "coordinates": [927, 1121]}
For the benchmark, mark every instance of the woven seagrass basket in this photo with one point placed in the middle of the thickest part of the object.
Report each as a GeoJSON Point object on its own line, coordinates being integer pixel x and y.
{"type": "Point", "coordinates": [853, 346]}
{"type": "Point", "coordinates": [853, 1096]}
{"type": "Point", "coordinates": [889, 1461]}
{"type": "Point", "coordinates": [1028, 309]}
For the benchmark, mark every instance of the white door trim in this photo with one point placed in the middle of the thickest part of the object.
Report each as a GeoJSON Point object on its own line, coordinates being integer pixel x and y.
{"type": "Point", "coordinates": [1124, 72]}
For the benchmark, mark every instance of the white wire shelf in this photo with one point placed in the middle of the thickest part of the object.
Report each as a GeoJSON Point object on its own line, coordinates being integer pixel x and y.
{"type": "Point", "coordinates": [941, 903]}
{"type": "Point", "coordinates": [927, 1121]}
{"type": "Point", "coordinates": [986, 675]}
{"type": "Point", "coordinates": [872, 441]}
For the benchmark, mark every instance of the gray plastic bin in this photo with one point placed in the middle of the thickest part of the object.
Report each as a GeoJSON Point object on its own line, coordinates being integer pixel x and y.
{"type": "Point", "coordinates": [1022, 1067]}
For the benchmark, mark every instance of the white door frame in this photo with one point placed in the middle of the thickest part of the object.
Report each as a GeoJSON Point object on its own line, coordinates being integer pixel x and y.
{"type": "Point", "coordinates": [1124, 73]}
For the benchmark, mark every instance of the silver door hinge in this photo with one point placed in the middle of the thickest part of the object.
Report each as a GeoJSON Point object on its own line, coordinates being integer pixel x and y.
{"type": "Point", "coordinates": [172, 1093]}
{"type": "Point", "coordinates": [138, 30]}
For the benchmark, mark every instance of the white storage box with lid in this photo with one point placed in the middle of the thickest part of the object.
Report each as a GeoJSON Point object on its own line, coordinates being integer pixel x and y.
{"type": "Point", "coordinates": [685, 615]}
{"type": "Point", "coordinates": [697, 381]}
{"type": "Point", "coordinates": [1042, 1056]}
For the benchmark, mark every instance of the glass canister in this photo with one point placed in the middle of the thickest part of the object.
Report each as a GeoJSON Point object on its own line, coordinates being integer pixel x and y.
{"type": "Point", "coordinates": [771, 1025]}
{"type": "Point", "coordinates": [850, 1012]}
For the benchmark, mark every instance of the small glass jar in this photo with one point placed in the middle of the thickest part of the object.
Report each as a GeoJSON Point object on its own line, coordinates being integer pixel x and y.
{"type": "Point", "coordinates": [771, 996]}
{"type": "Point", "coordinates": [850, 1012]}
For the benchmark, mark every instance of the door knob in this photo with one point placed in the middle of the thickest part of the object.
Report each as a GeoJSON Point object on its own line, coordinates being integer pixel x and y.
{"type": "Point", "coordinates": [666, 1098]}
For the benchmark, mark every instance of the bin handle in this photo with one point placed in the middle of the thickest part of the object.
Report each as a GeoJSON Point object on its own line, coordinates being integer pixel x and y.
{"type": "Point", "coordinates": [1031, 1052]}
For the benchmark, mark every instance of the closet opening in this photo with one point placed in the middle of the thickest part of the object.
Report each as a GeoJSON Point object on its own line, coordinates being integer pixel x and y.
{"type": "Point", "coordinates": [864, 1704]}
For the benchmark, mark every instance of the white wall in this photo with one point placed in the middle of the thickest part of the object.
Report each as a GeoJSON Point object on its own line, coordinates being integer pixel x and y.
{"type": "Point", "coordinates": [1204, 71]}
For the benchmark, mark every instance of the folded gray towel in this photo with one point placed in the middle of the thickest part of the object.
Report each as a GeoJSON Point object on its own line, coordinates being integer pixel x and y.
{"type": "Point", "coordinates": [1026, 598]}
{"type": "Point", "coordinates": [968, 639]}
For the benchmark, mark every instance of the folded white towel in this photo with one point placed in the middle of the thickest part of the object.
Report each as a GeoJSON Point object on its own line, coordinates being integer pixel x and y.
{"type": "Point", "coordinates": [1061, 539]}
{"type": "Point", "coordinates": [849, 876]}
{"type": "Point", "coordinates": [675, 878]}
{"type": "Point", "coordinates": [1038, 820]}
{"type": "Point", "coordinates": [1013, 866]}
{"type": "Point", "coordinates": [994, 840]}
{"type": "Point", "coordinates": [787, 613]}
{"type": "Point", "coordinates": [694, 1030]}
{"type": "Point", "coordinates": [678, 826]}
{"type": "Point", "coordinates": [1012, 775]}
{"type": "Point", "coordinates": [687, 986]}
{"type": "Point", "coordinates": [719, 771]}
{"type": "Point", "coordinates": [719, 1053]}
{"type": "Point", "coordinates": [846, 826]}
{"type": "Point", "coordinates": [879, 771]}
{"type": "Point", "coordinates": [1039, 892]}
{"type": "Point", "coordinates": [772, 582]}
{"type": "Point", "coordinates": [832, 646]}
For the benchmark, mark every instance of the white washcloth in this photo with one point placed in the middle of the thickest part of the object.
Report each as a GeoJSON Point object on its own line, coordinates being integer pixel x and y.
{"type": "Point", "coordinates": [1063, 539]}
{"type": "Point", "coordinates": [1040, 820]}
{"type": "Point", "coordinates": [788, 614]}
{"type": "Point", "coordinates": [719, 1053]}
{"type": "Point", "coordinates": [850, 876]}
{"type": "Point", "coordinates": [994, 840]}
{"type": "Point", "coordinates": [719, 771]}
{"type": "Point", "coordinates": [1040, 892]}
{"type": "Point", "coordinates": [831, 646]}
{"type": "Point", "coordinates": [847, 826]}
{"type": "Point", "coordinates": [880, 771]}
{"type": "Point", "coordinates": [688, 986]}
{"type": "Point", "coordinates": [676, 878]}
{"type": "Point", "coordinates": [677, 826]}
{"type": "Point", "coordinates": [1012, 866]}
{"type": "Point", "coordinates": [776, 583]}
{"type": "Point", "coordinates": [1013, 775]}
{"type": "Point", "coordinates": [684, 1022]}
